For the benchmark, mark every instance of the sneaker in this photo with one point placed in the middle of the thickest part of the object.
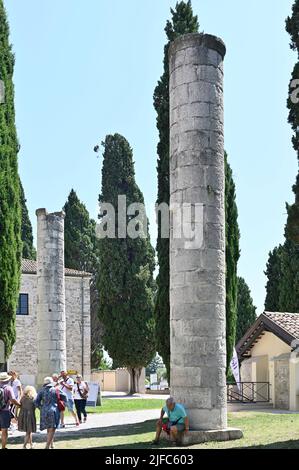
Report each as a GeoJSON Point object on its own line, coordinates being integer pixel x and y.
{"type": "Point", "coordinates": [62, 426]}
{"type": "Point", "coordinates": [85, 419]}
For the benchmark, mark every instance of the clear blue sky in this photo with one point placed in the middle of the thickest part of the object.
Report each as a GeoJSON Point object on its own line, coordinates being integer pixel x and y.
{"type": "Point", "coordinates": [86, 69]}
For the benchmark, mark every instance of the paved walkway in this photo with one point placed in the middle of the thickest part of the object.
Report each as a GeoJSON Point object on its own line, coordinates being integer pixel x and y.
{"type": "Point", "coordinates": [103, 420]}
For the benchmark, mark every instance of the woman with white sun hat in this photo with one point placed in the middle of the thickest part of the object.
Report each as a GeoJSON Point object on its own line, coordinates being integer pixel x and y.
{"type": "Point", "coordinates": [7, 398]}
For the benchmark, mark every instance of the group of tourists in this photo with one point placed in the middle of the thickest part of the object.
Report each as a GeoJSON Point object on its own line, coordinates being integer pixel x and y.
{"type": "Point", "coordinates": [58, 394]}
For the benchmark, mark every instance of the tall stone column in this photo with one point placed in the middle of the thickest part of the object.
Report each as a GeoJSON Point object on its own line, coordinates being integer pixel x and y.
{"type": "Point", "coordinates": [197, 270]}
{"type": "Point", "coordinates": [51, 322]}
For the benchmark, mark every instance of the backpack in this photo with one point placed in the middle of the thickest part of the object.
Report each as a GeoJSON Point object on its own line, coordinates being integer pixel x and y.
{"type": "Point", "coordinates": [60, 403]}
{"type": "Point", "coordinates": [3, 402]}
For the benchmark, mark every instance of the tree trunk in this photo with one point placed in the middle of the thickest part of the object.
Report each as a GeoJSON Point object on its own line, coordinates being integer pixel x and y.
{"type": "Point", "coordinates": [135, 373]}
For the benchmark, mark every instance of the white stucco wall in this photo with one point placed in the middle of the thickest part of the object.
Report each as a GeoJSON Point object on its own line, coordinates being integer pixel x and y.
{"type": "Point", "coordinates": [261, 368]}
{"type": "Point", "coordinates": [270, 345]}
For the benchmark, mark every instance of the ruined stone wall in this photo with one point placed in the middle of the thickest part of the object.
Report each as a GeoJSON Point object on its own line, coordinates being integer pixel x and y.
{"type": "Point", "coordinates": [74, 316]}
{"type": "Point", "coordinates": [24, 355]}
{"type": "Point", "coordinates": [282, 383]}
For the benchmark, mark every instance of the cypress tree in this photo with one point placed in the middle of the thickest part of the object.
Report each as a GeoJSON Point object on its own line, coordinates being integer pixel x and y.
{"type": "Point", "coordinates": [246, 311]}
{"type": "Point", "coordinates": [292, 27]}
{"type": "Point", "coordinates": [127, 265]}
{"type": "Point", "coordinates": [232, 254]}
{"type": "Point", "coordinates": [80, 236]}
{"type": "Point", "coordinates": [282, 289]}
{"type": "Point", "coordinates": [183, 21]}
{"type": "Point", "coordinates": [10, 209]}
{"type": "Point", "coordinates": [81, 253]}
{"type": "Point", "coordinates": [289, 284]}
{"type": "Point", "coordinates": [283, 264]}
{"type": "Point", "coordinates": [274, 275]}
{"type": "Point", "coordinates": [29, 252]}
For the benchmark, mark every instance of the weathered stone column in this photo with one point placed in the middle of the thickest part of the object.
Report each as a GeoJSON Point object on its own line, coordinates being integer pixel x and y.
{"type": "Point", "coordinates": [197, 271]}
{"type": "Point", "coordinates": [51, 322]}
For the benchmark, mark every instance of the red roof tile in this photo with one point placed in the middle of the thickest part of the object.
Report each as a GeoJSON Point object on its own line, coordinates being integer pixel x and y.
{"type": "Point", "coordinates": [30, 267]}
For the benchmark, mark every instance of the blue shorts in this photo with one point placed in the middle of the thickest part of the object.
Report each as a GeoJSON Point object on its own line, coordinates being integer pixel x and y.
{"type": "Point", "coordinates": [5, 418]}
{"type": "Point", "coordinates": [70, 404]}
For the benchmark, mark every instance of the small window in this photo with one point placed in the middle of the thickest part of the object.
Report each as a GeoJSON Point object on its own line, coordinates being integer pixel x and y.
{"type": "Point", "coordinates": [23, 308]}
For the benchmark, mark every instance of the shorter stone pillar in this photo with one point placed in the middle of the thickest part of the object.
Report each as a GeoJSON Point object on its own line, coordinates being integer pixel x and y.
{"type": "Point", "coordinates": [51, 321]}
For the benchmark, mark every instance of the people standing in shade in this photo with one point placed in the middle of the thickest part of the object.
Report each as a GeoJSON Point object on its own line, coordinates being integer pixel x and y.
{"type": "Point", "coordinates": [66, 386]}
{"type": "Point", "coordinates": [47, 401]}
{"type": "Point", "coordinates": [16, 385]}
{"type": "Point", "coordinates": [27, 419]}
{"type": "Point", "coordinates": [81, 390]}
{"type": "Point", "coordinates": [7, 398]}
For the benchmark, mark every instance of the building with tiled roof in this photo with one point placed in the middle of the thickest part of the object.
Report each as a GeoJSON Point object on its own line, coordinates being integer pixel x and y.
{"type": "Point", "coordinates": [269, 357]}
{"type": "Point", "coordinates": [53, 314]}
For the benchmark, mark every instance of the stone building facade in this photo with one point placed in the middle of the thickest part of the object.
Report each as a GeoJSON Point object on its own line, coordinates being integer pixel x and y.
{"type": "Point", "coordinates": [24, 358]}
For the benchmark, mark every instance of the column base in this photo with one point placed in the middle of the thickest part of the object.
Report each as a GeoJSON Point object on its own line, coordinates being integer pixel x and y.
{"type": "Point", "coordinates": [198, 437]}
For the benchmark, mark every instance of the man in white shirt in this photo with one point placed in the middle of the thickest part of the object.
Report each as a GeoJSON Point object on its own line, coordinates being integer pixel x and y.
{"type": "Point", "coordinates": [66, 386]}
{"type": "Point", "coordinates": [16, 385]}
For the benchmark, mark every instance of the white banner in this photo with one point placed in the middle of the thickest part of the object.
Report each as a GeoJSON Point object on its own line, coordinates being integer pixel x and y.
{"type": "Point", "coordinates": [234, 365]}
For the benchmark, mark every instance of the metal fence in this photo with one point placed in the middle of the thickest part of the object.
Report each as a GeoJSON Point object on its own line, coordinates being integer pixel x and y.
{"type": "Point", "coordinates": [248, 392]}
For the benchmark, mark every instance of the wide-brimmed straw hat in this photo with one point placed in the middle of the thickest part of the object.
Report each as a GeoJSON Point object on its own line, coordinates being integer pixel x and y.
{"type": "Point", "coordinates": [48, 381]}
{"type": "Point", "coordinates": [4, 377]}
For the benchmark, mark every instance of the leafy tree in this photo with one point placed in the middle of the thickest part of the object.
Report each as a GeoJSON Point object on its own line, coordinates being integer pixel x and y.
{"type": "Point", "coordinates": [274, 275]}
{"type": "Point", "coordinates": [232, 237]}
{"type": "Point", "coordinates": [155, 364]}
{"type": "Point", "coordinates": [246, 311]}
{"type": "Point", "coordinates": [127, 265]}
{"type": "Point", "coordinates": [81, 253]}
{"type": "Point", "coordinates": [29, 252]}
{"type": "Point", "coordinates": [292, 27]}
{"type": "Point", "coordinates": [10, 208]}
{"type": "Point", "coordinates": [183, 21]}
{"type": "Point", "coordinates": [102, 363]}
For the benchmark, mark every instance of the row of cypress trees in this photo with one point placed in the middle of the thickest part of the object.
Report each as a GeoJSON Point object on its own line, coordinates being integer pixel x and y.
{"type": "Point", "coordinates": [133, 320]}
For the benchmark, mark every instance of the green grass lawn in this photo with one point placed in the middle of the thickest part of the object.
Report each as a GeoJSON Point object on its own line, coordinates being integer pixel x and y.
{"type": "Point", "coordinates": [261, 430]}
{"type": "Point", "coordinates": [115, 405]}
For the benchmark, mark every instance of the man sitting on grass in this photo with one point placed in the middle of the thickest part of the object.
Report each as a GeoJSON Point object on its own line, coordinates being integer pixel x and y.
{"type": "Point", "coordinates": [176, 421]}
